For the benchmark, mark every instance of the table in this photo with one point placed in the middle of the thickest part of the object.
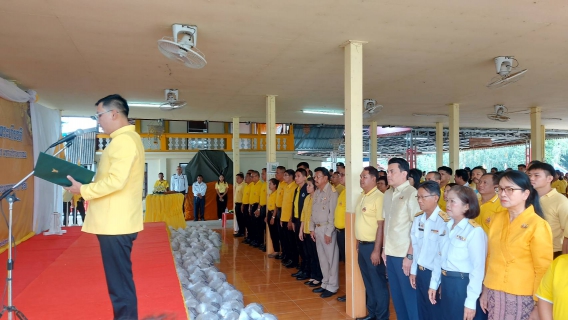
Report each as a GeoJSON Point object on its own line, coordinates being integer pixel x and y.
{"type": "Point", "coordinates": [166, 208]}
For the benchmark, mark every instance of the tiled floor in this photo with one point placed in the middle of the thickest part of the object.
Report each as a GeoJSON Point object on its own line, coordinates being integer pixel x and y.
{"type": "Point", "coordinates": [266, 281]}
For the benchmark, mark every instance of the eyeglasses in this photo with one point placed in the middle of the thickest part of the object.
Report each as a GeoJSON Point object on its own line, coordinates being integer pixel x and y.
{"type": "Point", "coordinates": [98, 115]}
{"type": "Point", "coordinates": [508, 190]}
{"type": "Point", "coordinates": [342, 174]}
{"type": "Point", "coordinates": [423, 197]}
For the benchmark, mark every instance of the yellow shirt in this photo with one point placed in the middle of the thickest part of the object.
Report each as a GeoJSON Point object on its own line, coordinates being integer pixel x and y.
{"type": "Point", "coordinates": [163, 183]}
{"type": "Point", "coordinates": [246, 193]}
{"type": "Point", "coordinates": [263, 190]}
{"type": "Point", "coordinates": [555, 208]}
{"type": "Point", "coordinates": [287, 202]}
{"type": "Point", "coordinates": [519, 253]}
{"type": "Point", "coordinates": [307, 213]}
{"type": "Point", "coordinates": [255, 192]}
{"type": "Point", "coordinates": [441, 201]}
{"type": "Point", "coordinates": [221, 187]}
{"type": "Point", "coordinates": [115, 197]}
{"type": "Point", "coordinates": [339, 220]}
{"type": "Point", "coordinates": [559, 186]}
{"type": "Point", "coordinates": [368, 211]}
{"type": "Point", "coordinates": [399, 208]}
{"type": "Point", "coordinates": [487, 210]}
{"type": "Point", "coordinates": [239, 189]}
{"type": "Point", "coordinates": [280, 193]}
{"type": "Point", "coordinates": [339, 188]}
{"type": "Point", "coordinates": [271, 205]}
{"type": "Point", "coordinates": [553, 287]}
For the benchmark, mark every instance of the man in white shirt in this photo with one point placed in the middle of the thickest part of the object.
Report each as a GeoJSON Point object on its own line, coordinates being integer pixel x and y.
{"type": "Point", "coordinates": [462, 177]}
{"type": "Point", "coordinates": [199, 188]}
{"type": "Point", "coordinates": [179, 182]}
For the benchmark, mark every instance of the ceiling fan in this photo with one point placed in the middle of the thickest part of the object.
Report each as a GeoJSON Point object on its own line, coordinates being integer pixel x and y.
{"type": "Point", "coordinates": [504, 66]}
{"type": "Point", "coordinates": [172, 102]}
{"type": "Point", "coordinates": [371, 108]}
{"type": "Point", "coordinates": [184, 50]}
{"type": "Point", "coordinates": [500, 114]}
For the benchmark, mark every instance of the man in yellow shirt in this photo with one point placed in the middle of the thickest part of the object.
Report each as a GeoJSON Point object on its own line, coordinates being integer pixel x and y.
{"type": "Point", "coordinates": [339, 221]}
{"type": "Point", "coordinates": [254, 210]}
{"type": "Point", "coordinates": [290, 248]}
{"type": "Point", "coordinates": [115, 202]}
{"type": "Point", "coordinates": [445, 176]}
{"type": "Point", "coordinates": [436, 176]}
{"type": "Point", "coordinates": [554, 205]}
{"type": "Point", "coordinates": [552, 294]}
{"type": "Point", "coordinates": [239, 189]}
{"type": "Point", "coordinates": [161, 185]}
{"type": "Point", "coordinates": [489, 203]}
{"type": "Point", "coordinates": [282, 230]}
{"type": "Point", "coordinates": [261, 224]}
{"type": "Point", "coordinates": [245, 207]}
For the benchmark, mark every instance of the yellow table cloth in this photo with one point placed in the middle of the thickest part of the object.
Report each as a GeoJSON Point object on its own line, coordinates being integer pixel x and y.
{"type": "Point", "coordinates": [166, 208]}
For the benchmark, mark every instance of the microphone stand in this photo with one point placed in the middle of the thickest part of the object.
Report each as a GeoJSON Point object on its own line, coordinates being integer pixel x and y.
{"type": "Point", "coordinates": [11, 197]}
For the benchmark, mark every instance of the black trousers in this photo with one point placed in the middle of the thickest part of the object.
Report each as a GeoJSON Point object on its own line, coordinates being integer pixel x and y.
{"type": "Point", "coordinates": [341, 243]}
{"type": "Point", "coordinates": [116, 251]}
{"type": "Point", "coordinates": [240, 218]}
{"type": "Point", "coordinates": [426, 310]}
{"type": "Point", "coordinates": [68, 212]}
{"type": "Point", "coordinates": [260, 225]}
{"type": "Point", "coordinates": [221, 205]}
{"type": "Point", "coordinates": [246, 218]}
{"type": "Point", "coordinates": [304, 266]}
{"type": "Point", "coordinates": [274, 231]}
{"type": "Point", "coordinates": [311, 253]}
{"type": "Point", "coordinates": [252, 232]}
{"type": "Point", "coordinates": [283, 233]}
{"type": "Point", "coordinates": [375, 280]}
{"type": "Point", "coordinates": [292, 244]}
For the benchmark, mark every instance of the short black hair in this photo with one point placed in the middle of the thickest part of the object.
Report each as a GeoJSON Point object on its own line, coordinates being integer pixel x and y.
{"type": "Point", "coordinates": [303, 164]}
{"type": "Point", "coordinates": [114, 101]}
{"type": "Point", "coordinates": [200, 176]}
{"type": "Point", "coordinates": [402, 164]}
{"type": "Point", "coordinates": [415, 174]}
{"type": "Point", "coordinates": [436, 174]}
{"type": "Point", "coordinates": [479, 168]}
{"type": "Point", "coordinates": [240, 174]}
{"type": "Point", "coordinates": [161, 173]}
{"type": "Point", "coordinates": [467, 196]}
{"type": "Point", "coordinates": [447, 169]}
{"type": "Point", "coordinates": [275, 182]}
{"type": "Point", "coordinates": [494, 177]}
{"type": "Point", "coordinates": [340, 164]}
{"type": "Point", "coordinates": [323, 170]}
{"type": "Point", "coordinates": [462, 173]}
{"type": "Point", "coordinates": [290, 172]}
{"type": "Point", "coordinates": [547, 168]}
{"type": "Point", "coordinates": [432, 187]}
{"type": "Point", "coordinates": [533, 162]}
{"type": "Point", "coordinates": [383, 178]}
{"type": "Point", "coordinates": [522, 165]}
{"type": "Point", "coordinates": [495, 169]}
{"type": "Point", "coordinates": [283, 168]}
{"type": "Point", "coordinates": [373, 172]}
{"type": "Point", "coordinates": [302, 171]}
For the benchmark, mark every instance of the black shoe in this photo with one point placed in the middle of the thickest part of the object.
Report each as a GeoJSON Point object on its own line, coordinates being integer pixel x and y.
{"type": "Point", "coordinates": [308, 282]}
{"type": "Point", "coordinates": [327, 294]}
{"type": "Point", "coordinates": [342, 299]}
{"type": "Point", "coordinates": [263, 249]}
{"type": "Point", "coordinates": [278, 257]}
{"type": "Point", "coordinates": [247, 241]}
{"type": "Point", "coordinates": [238, 235]}
{"type": "Point", "coordinates": [290, 266]}
{"type": "Point", "coordinates": [202, 219]}
{"type": "Point", "coordinates": [302, 277]}
{"type": "Point", "coordinates": [366, 318]}
{"type": "Point", "coordinates": [315, 284]}
{"type": "Point", "coordinates": [255, 244]}
{"type": "Point", "coordinates": [297, 274]}
{"type": "Point", "coordinates": [318, 290]}
{"type": "Point", "coordinates": [286, 262]}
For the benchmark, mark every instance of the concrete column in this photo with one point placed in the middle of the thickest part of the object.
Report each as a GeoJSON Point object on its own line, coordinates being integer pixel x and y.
{"type": "Point", "coordinates": [355, 288]}
{"type": "Point", "coordinates": [373, 142]}
{"type": "Point", "coordinates": [270, 152]}
{"type": "Point", "coordinates": [537, 136]}
{"type": "Point", "coordinates": [454, 136]}
{"type": "Point", "coordinates": [439, 144]}
{"type": "Point", "coordinates": [236, 164]}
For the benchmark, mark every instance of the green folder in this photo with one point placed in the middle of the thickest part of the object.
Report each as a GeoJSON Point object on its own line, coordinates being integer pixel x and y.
{"type": "Point", "coordinates": [55, 170]}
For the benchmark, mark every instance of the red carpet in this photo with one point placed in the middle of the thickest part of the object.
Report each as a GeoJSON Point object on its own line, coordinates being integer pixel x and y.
{"type": "Point", "coordinates": [62, 277]}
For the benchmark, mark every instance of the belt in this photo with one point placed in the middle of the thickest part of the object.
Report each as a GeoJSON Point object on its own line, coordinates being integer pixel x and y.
{"type": "Point", "coordinates": [366, 242]}
{"type": "Point", "coordinates": [340, 230]}
{"type": "Point", "coordinates": [455, 274]}
{"type": "Point", "coordinates": [421, 268]}
{"type": "Point", "coordinates": [321, 224]}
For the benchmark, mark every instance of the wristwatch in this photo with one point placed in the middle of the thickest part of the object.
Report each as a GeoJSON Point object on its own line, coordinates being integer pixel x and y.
{"type": "Point", "coordinates": [409, 256]}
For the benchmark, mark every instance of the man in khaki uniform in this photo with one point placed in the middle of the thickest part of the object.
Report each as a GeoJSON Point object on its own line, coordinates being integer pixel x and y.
{"type": "Point", "coordinates": [322, 229]}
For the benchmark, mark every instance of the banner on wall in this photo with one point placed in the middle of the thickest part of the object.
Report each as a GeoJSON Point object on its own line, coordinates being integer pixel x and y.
{"type": "Point", "coordinates": [16, 161]}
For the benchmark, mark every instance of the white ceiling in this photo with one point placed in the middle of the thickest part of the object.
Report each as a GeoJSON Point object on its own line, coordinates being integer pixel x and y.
{"type": "Point", "coordinates": [421, 56]}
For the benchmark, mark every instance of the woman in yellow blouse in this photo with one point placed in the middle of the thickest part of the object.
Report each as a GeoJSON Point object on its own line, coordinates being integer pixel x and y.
{"type": "Point", "coordinates": [310, 249]}
{"type": "Point", "coordinates": [221, 187]}
{"type": "Point", "coordinates": [271, 217]}
{"type": "Point", "coordinates": [519, 251]}
{"type": "Point", "coordinates": [161, 185]}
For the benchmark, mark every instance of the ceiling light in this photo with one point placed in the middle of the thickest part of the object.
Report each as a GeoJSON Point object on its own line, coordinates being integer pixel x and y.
{"type": "Point", "coordinates": [559, 119]}
{"type": "Point", "coordinates": [429, 115]}
{"type": "Point", "coordinates": [326, 112]}
{"type": "Point", "coordinates": [144, 105]}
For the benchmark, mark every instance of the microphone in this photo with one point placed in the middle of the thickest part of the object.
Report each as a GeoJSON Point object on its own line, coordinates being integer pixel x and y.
{"type": "Point", "coordinates": [69, 137]}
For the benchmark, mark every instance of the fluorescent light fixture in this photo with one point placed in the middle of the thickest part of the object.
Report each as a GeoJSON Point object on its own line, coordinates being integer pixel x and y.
{"type": "Point", "coordinates": [326, 112]}
{"type": "Point", "coordinates": [144, 105]}
{"type": "Point", "coordinates": [429, 115]}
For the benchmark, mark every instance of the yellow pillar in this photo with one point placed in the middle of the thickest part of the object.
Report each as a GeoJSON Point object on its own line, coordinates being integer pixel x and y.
{"type": "Point", "coordinates": [439, 144]}
{"type": "Point", "coordinates": [270, 151]}
{"type": "Point", "coordinates": [373, 142]}
{"type": "Point", "coordinates": [355, 288]}
{"type": "Point", "coordinates": [537, 136]}
{"type": "Point", "coordinates": [236, 165]}
{"type": "Point", "coordinates": [454, 136]}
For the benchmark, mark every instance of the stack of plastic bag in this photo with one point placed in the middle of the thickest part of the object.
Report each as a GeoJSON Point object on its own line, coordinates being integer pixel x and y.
{"type": "Point", "coordinates": [207, 294]}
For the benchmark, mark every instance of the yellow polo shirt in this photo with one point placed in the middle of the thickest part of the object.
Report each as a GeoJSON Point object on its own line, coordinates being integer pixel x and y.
{"type": "Point", "coordinates": [518, 253]}
{"type": "Point", "coordinates": [368, 211]}
{"type": "Point", "coordinates": [115, 197]}
{"type": "Point", "coordinates": [399, 208]}
{"type": "Point", "coordinates": [263, 190]}
{"type": "Point", "coordinates": [441, 201]}
{"type": "Point", "coordinates": [288, 202]}
{"type": "Point", "coordinates": [246, 193]}
{"type": "Point", "coordinates": [239, 189]}
{"type": "Point", "coordinates": [553, 287]}
{"type": "Point", "coordinates": [307, 213]}
{"type": "Point", "coordinates": [555, 208]}
{"type": "Point", "coordinates": [339, 188]}
{"type": "Point", "coordinates": [559, 186]}
{"type": "Point", "coordinates": [339, 220]}
{"type": "Point", "coordinates": [255, 192]}
{"type": "Point", "coordinates": [271, 204]}
{"type": "Point", "coordinates": [487, 210]}
{"type": "Point", "coordinates": [222, 187]}
{"type": "Point", "coordinates": [280, 193]}
{"type": "Point", "coordinates": [163, 183]}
